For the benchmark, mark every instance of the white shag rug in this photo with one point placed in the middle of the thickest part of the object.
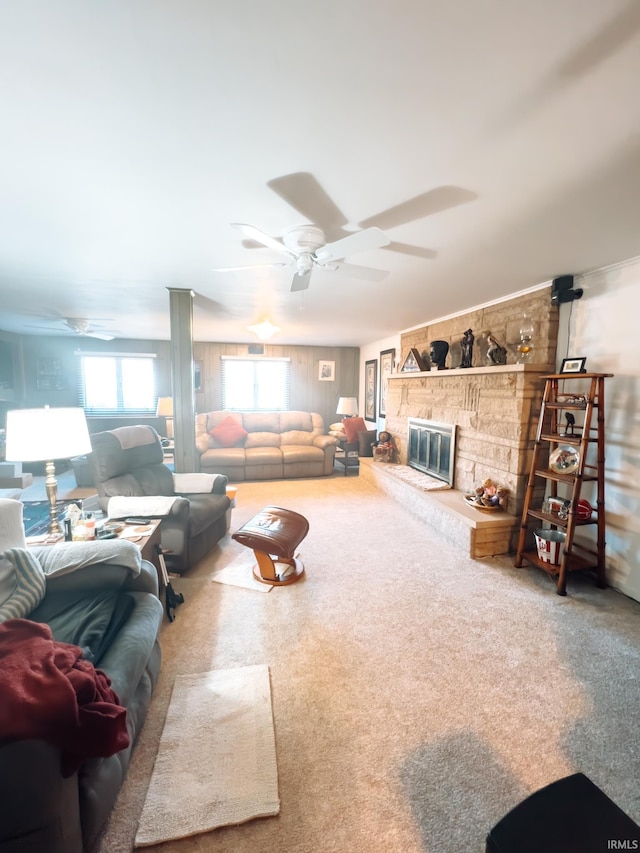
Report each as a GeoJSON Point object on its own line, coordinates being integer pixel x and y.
{"type": "Point", "coordinates": [216, 763]}
{"type": "Point", "coordinates": [417, 478]}
{"type": "Point", "coordinates": [240, 573]}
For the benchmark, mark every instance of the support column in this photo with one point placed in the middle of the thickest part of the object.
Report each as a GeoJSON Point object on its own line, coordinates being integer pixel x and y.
{"type": "Point", "coordinates": [183, 392]}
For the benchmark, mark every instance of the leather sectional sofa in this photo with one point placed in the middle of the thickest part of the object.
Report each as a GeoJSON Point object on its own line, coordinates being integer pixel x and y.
{"type": "Point", "coordinates": [264, 445]}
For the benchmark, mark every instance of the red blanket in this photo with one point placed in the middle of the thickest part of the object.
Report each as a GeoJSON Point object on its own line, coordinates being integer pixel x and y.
{"type": "Point", "coordinates": [48, 692]}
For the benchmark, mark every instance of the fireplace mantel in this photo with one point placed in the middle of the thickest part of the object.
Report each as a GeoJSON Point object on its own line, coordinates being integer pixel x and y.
{"type": "Point", "coordinates": [473, 371]}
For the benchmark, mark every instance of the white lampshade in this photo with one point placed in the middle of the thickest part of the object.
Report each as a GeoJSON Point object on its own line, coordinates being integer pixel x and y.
{"type": "Point", "coordinates": [40, 435]}
{"type": "Point", "coordinates": [165, 407]}
{"type": "Point", "coordinates": [347, 406]}
{"type": "Point", "coordinates": [165, 410]}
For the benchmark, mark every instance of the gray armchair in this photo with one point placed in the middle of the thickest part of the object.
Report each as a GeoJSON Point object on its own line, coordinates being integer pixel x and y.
{"type": "Point", "coordinates": [128, 463]}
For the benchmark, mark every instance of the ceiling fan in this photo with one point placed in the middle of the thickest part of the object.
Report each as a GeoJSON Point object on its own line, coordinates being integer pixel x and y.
{"type": "Point", "coordinates": [303, 192]}
{"type": "Point", "coordinates": [306, 249]}
{"type": "Point", "coordinates": [77, 326]}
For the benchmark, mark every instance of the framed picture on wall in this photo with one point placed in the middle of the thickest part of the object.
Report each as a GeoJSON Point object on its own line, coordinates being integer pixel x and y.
{"type": "Point", "coordinates": [197, 375]}
{"type": "Point", "coordinates": [370, 388]}
{"type": "Point", "coordinates": [387, 357]}
{"type": "Point", "coordinates": [327, 371]}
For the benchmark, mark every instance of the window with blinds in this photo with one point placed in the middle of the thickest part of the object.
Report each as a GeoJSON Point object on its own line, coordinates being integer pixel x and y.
{"type": "Point", "coordinates": [255, 384]}
{"type": "Point", "coordinates": [117, 384]}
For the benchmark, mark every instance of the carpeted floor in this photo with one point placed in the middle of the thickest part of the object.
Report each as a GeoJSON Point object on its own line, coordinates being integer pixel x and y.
{"type": "Point", "coordinates": [418, 695]}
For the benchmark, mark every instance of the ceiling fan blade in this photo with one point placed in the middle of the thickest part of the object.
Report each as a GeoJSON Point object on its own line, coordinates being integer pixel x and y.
{"type": "Point", "coordinates": [407, 249]}
{"type": "Point", "coordinates": [256, 234]}
{"type": "Point", "coordinates": [303, 192]}
{"type": "Point", "coordinates": [301, 282]}
{"type": "Point", "coordinates": [249, 267]}
{"type": "Point", "coordinates": [365, 273]}
{"type": "Point", "coordinates": [361, 241]}
{"type": "Point", "coordinates": [426, 204]}
{"type": "Point", "coordinates": [99, 335]}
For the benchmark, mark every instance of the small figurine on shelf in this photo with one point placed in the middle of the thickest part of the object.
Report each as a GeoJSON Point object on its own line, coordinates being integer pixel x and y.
{"type": "Point", "coordinates": [490, 495]}
{"type": "Point", "coordinates": [496, 353]}
{"type": "Point", "coordinates": [466, 344]}
{"type": "Point", "coordinates": [438, 352]}
{"type": "Point", "coordinates": [571, 424]}
{"type": "Point", "coordinates": [384, 449]}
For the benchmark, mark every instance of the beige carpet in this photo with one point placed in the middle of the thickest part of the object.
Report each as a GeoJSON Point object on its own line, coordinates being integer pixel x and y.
{"type": "Point", "coordinates": [417, 694]}
{"type": "Point", "coordinates": [216, 763]}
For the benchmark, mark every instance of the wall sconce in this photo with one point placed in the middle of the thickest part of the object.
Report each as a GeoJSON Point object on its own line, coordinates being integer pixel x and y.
{"type": "Point", "coordinates": [165, 410]}
{"type": "Point", "coordinates": [347, 407]}
{"type": "Point", "coordinates": [43, 435]}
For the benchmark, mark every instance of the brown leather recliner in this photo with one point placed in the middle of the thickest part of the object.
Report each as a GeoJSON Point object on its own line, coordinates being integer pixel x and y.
{"type": "Point", "coordinates": [128, 462]}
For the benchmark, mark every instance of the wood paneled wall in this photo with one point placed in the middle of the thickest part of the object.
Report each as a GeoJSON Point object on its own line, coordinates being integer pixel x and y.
{"type": "Point", "coordinates": [308, 393]}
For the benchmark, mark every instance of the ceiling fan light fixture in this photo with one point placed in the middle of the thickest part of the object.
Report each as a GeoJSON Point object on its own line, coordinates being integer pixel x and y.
{"type": "Point", "coordinates": [264, 329]}
{"type": "Point", "coordinates": [304, 263]}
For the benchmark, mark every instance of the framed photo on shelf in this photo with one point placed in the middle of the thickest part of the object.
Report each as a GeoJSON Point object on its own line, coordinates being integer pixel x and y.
{"type": "Point", "coordinates": [573, 365]}
{"type": "Point", "coordinates": [387, 358]}
{"type": "Point", "coordinates": [327, 371]}
{"type": "Point", "coordinates": [370, 389]}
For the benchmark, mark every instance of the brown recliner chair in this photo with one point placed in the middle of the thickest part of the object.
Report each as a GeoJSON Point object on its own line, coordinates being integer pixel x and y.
{"type": "Point", "coordinates": [128, 463]}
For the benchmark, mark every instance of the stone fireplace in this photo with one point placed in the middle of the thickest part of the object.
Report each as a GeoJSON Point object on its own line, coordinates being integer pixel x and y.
{"type": "Point", "coordinates": [494, 408]}
{"type": "Point", "coordinates": [431, 448]}
{"type": "Point", "coordinates": [494, 411]}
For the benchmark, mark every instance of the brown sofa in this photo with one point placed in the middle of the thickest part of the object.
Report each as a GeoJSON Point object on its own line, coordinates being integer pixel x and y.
{"type": "Point", "coordinates": [264, 445]}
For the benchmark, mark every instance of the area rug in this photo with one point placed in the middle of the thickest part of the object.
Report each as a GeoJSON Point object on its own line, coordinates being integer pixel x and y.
{"type": "Point", "coordinates": [216, 763]}
{"type": "Point", "coordinates": [240, 573]}
{"type": "Point", "coordinates": [36, 515]}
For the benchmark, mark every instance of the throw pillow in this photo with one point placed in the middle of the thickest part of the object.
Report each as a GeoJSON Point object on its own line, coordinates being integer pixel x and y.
{"type": "Point", "coordinates": [30, 584]}
{"type": "Point", "coordinates": [229, 432]}
{"type": "Point", "coordinates": [365, 442]}
{"type": "Point", "coordinates": [352, 426]}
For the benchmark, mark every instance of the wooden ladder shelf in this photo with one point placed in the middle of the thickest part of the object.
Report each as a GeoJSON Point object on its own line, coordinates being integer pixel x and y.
{"type": "Point", "coordinates": [583, 448]}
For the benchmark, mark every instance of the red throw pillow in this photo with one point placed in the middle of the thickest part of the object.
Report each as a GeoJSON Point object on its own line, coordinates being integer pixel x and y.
{"type": "Point", "coordinates": [352, 426]}
{"type": "Point", "coordinates": [229, 432]}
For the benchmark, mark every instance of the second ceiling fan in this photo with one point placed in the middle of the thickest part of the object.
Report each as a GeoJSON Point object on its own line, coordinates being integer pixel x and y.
{"type": "Point", "coordinates": [306, 249]}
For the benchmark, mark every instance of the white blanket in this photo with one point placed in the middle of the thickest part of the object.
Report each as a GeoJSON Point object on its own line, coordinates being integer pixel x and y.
{"type": "Point", "coordinates": [67, 557]}
{"type": "Point", "coordinates": [149, 506]}
{"type": "Point", "coordinates": [194, 483]}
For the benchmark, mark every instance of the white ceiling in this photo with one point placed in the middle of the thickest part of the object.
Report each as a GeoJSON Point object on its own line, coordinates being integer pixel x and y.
{"type": "Point", "coordinates": [135, 131]}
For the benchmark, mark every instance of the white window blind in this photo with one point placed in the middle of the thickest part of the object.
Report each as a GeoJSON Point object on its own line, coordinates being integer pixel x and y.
{"type": "Point", "coordinates": [117, 384]}
{"type": "Point", "coordinates": [255, 384]}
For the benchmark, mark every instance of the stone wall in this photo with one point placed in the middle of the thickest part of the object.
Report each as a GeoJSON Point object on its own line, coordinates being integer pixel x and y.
{"type": "Point", "coordinates": [495, 408]}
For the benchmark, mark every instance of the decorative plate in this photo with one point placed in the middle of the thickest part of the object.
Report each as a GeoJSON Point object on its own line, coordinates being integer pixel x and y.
{"type": "Point", "coordinates": [470, 500]}
{"type": "Point", "coordinates": [564, 459]}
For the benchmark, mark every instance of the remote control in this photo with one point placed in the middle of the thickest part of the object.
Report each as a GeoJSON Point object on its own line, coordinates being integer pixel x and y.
{"type": "Point", "coordinates": [136, 520]}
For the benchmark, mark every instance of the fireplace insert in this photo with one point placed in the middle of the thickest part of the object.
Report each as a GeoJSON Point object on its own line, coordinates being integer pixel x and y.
{"type": "Point", "coordinates": [431, 448]}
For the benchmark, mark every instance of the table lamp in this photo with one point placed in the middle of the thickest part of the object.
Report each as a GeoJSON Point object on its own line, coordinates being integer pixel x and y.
{"type": "Point", "coordinates": [165, 410]}
{"type": "Point", "coordinates": [42, 435]}
{"type": "Point", "coordinates": [347, 407]}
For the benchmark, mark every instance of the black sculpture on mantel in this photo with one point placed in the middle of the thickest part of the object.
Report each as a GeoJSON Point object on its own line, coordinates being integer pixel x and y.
{"type": "Point", "coordinates": [466, 345]}
{"type": "Point", "coordinates": [438, 352]}
{"type": "Point", "coordinates": [496, 353]}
